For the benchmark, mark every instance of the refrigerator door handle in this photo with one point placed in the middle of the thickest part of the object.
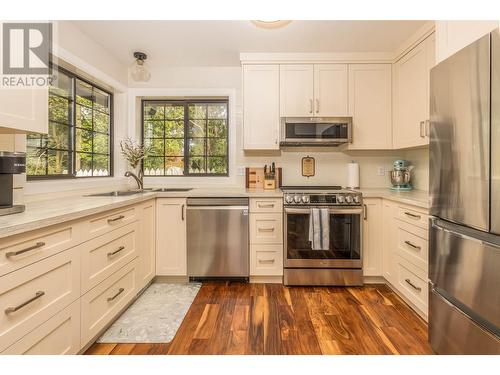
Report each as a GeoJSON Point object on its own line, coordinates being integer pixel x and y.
{"type": "Point", "coordinates": [462, 235]}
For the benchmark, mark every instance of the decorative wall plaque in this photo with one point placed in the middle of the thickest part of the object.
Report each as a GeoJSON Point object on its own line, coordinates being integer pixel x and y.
{"type": "Point", "coordinates": [308, 168]}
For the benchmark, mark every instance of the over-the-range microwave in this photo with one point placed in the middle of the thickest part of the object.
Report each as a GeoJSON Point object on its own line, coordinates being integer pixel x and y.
{"type": "Point", "coordinates": [315, 131]}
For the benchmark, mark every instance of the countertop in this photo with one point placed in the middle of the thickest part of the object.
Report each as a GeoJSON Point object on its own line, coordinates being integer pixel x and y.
{"type": "Point", "coordinates": [58, 209]}
{"type": "Point", "coordinates": [61, 208]}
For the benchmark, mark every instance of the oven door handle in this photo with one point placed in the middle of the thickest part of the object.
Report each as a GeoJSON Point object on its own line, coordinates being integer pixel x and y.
{"type": "Point", "coordinates": [355, 211]}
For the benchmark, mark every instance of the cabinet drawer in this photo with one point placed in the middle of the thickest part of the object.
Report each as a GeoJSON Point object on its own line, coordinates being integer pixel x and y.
{"type": "Point", "coordinates": [58, 335]}
{"type": "Point", "coordinates": [412, 244]}
{"type": "Point", "coordinates": [266, 228]}
{"type": "Point", "coordinates": [412, 216]}
{"type": "Point", "coordinates": [101, 304]}
{"type": "Point", "coordinates": [412, 283]}
{"type": "Point", "coordinates": [33, 294]}
{"type": "Point", "coordinates": [266, 205]}
{"type": "Point", "coordinates": [266, 260]}
{"type": "Point", "coordinates": [98, 225]}
{"type": "Point", "coordinates": [27, 248]}
{"type": "Point", "coordinates": [106, 254]}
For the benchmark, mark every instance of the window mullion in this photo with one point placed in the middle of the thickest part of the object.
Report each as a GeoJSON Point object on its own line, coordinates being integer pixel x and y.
{"type": "Point", "coordinates": [186, 142]}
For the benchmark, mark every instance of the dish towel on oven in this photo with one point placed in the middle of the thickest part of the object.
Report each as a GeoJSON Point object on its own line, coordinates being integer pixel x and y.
{"type": "Point", "coordinates": [319, 229]}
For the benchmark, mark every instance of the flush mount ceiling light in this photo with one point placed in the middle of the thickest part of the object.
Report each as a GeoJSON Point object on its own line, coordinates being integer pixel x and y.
{"type": "Point", "coordinates": [270, 24]}
{"type": "Point", "coordinates": [139, 70]}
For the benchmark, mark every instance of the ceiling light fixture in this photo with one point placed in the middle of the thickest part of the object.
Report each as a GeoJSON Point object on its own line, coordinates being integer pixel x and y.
{"type": "Point", "coordinates": [270, 24]}
{"type": "Point", "coordinates": [139, 70]}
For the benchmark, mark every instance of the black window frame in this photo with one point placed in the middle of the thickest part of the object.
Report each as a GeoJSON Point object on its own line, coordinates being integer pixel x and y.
{"type": "Point", "coordinates": [72, 132]}
{"type": "Point", "coordinates": [186, 103]}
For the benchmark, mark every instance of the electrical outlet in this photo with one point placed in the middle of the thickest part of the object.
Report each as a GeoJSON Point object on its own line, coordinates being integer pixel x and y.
{"type": "Point", "coordinates": [381, 171]}
{"type": "Point", "coordinates": [241, 171]}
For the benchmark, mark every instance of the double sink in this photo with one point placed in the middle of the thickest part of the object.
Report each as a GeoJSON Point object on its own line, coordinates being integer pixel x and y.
{"type": "Point", "coordinates": [124, 193]}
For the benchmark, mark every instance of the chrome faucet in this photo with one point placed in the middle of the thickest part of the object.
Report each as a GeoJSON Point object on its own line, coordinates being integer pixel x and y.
{"type": "Point", "coordinates": [140, 183]}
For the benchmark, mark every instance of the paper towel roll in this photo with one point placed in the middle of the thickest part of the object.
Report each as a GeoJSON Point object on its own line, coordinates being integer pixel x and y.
{"type": "Point", "coordinates": [353, 175]}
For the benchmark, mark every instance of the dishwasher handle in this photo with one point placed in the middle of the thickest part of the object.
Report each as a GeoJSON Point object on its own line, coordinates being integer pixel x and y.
{"type": "Point", "coordinates": [244, 208]}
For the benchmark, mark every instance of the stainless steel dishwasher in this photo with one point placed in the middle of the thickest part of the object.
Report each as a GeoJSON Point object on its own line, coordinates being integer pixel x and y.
{"type": "Point", "coordinates": [217, 238]}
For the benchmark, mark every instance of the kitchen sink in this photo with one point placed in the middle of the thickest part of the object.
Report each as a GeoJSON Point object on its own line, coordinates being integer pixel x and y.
{"type": "Point", "coordinates": [116, 193]}
{"type": "Point", "coordinates": [165, 190]}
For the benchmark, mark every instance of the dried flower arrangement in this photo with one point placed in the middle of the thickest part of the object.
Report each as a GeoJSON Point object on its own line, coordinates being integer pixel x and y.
{"type": "Point", "coordinates": [134, 152]}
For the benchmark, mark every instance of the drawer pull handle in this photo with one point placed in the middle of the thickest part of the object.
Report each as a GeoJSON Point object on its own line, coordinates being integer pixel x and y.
{"type": "Point", "coordinates": [417, 288]}
{"type": "Point", "coordinates": [271, 229]}
{"type": "Point", "coordinates": [116, 219]}
{"type": "Point", "coordinates": [120, 291]}
{"type": "Point", "coordinates": [38, 294]}
{"type": "Point", "coordinates": [116, 251]}
{"type": "Point", "coordinates": [412, 245]}
{"type": "Point", "coordinates": [271, 205]}
{"type": "Point", "coordinates": [412, 215]}
{"type": "Point", "coordinates": [266, 261]}
{"type": "Point", "coordinates": [19, 252]}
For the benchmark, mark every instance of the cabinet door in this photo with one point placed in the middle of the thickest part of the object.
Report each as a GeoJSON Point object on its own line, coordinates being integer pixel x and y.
{"type": "Point", "coordinates": [261, 110]}
{"type": "Point", "coordinates": [171, 252]}
{"type": "Point", "coordinates": [24, 109]}
{"type": "Point", "coordinates": [411, 96]}
{"type": "Point", "coordinates": [330, 90]}
{"type": "Point", "coordinates": [370, 106]}
{"type": "Point", "coordinates": [372, 237]}
{"type": "Point", "coordinates": [147, 243]}
{"type": "Point", "coordinates": [296, 90]}
{"type": "Point", "coordinates": [388, 240]}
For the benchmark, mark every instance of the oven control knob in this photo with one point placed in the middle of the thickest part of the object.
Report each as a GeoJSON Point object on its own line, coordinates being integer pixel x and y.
{"type": "Point", "coordinates": [297, 199]}
{"type": "Point", "coordinates": [288, 198]}
{"type": "Point", "coordinates": [348, 199]}
{"type": "Point", "coordinates": [305, 199]}
{"type": "Point", "coordinates": [340, 199]}
{"type": "Point", "coordinates": [356, 199]}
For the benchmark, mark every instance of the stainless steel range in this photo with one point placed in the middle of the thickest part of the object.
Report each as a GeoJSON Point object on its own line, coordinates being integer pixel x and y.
{"type": "Point", "coordinates": [339, 262]}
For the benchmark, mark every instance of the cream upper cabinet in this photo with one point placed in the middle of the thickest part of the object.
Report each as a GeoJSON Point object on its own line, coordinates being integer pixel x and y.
{"type": "Point", "coordinates": [411, 95]}
{"type": "Point", "coordinates": [372, 237]}
{"type": "Point", "coordinates": [297, 90]}
{"type": "Point", "coordinates": [314, 90]}
{"type": "Point", "coordinates": [24, 110]}
{"type": "Point", "coordinates": [261, 108]}
{"type": "Point", "coordinates": [330, 90]}
{"type": "Point", "coordinates": [452, 36]}
{"type": "Point", "coordinates": [171, 250]}
{"type": "Point", "coordinates": [370, 104]}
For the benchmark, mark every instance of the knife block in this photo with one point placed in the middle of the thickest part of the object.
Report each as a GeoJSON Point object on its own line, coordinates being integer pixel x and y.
{"type": "Point", "coordinates": [255, 179]}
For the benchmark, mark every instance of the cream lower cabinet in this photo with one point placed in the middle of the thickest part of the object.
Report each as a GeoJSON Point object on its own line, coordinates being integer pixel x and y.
{"type": "Point", "coordinates": [388, 239]}
{"type": "Point", "coordinates": [261, 107]}
{"type": "Point", "coordinates": [372, 237]}
{"type": "Point", "coordinates": [370, 105]}
{"type": "Point", "coordinates": [171, 250]}
{"type": "Point", "coordinates": [266, 237]}
{"type": "Point", "coordinates": [61, 286]}
{"type": "Point", "coordinates": [147, 245]}
{"type": "Point", "coordinates": [411, 95]}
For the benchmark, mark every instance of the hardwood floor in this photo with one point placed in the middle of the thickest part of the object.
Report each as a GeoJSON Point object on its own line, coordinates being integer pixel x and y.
{"type": "Point", "coordinates": [236, 318]}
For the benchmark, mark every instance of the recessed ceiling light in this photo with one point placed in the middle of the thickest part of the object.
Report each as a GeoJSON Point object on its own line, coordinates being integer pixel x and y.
{"type": "Point", "coordinates": [270, 24]}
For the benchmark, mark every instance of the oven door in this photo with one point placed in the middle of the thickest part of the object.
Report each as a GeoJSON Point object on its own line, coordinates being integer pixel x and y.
{"type": "Point", "coordinates": [345, 239]}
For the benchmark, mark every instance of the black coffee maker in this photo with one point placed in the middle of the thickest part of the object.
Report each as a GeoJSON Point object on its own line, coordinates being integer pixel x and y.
{"type": "Point", "coordinates": [11, 163]}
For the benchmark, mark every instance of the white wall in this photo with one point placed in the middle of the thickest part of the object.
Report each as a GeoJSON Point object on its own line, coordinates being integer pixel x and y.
{"type": "Point", "coordinates": [331, 166]}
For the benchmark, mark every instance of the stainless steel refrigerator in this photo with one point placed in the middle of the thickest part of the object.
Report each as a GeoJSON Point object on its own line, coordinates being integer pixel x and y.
{"type": "Point", "coordinates": [464, 256]}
